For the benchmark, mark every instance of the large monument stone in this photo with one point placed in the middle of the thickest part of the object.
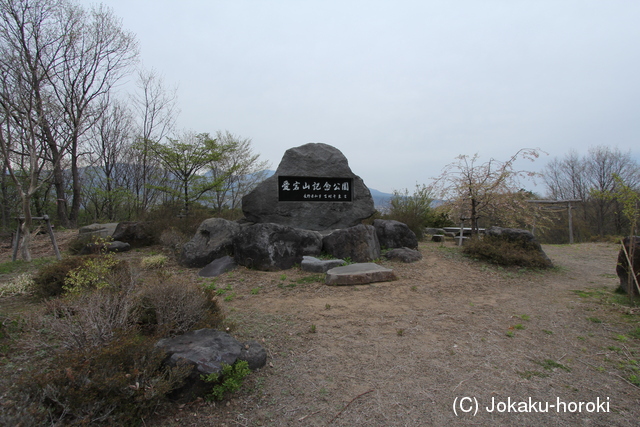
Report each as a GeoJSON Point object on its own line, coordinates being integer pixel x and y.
{"type": "Point", "coordinates": [313, 189]}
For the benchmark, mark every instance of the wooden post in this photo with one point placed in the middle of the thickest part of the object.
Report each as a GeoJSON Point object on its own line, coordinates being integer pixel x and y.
{"type": "Point", "coordinates": [53, 237]}
{"type": "Point", "coordinates": [569, 207]}
{"type": "Point", "coordinates": [570, 223]}
{"type": "Point", "coordinates": [16, 242]}
{"type": "Point", "coordinates": [461, 236]}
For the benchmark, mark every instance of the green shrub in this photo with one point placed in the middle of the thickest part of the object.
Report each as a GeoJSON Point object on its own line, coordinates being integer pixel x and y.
{"type": "Point", "coordinates": [115, 384]}
{"type": "Point", "coordinates": [506, 253]}
{"type": "Point", "coordinates": [49, 281]}
{"type": "Point", "coordinates": [228, 381]}
{"type": "Point", "coordinates": [92, 274]}
{"type": "Point", "coordinates": [416, 210]}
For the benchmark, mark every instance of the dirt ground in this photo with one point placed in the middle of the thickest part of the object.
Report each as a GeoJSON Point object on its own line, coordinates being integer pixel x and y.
{"type": "Point", "coordinates": [442, 345]}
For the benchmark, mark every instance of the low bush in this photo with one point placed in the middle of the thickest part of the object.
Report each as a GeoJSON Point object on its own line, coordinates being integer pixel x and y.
{"type": "Point", "coordinates": [170, 305]}
{"type": "Point", "coordinates": [115, 384]}
{"type": "Point", "coordinates": [50, 280]}
{"type": "Point", "coordinates": [506, 253]}
{"type": "Point", "coordinates": [92, 318]}
{"type": "Point", "coordinates": [170, 216]}
{"type": "Point", "coordinates": [95, 273]}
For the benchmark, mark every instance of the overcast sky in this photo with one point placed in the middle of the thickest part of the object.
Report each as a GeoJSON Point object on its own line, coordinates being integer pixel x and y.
{"type": "Point", "coordinates": [400, 87]}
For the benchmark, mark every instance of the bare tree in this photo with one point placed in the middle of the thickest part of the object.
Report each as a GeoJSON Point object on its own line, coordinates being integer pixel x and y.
{"type": "Point", "coordinates": [29, 51]}
{"type": "Point", "coordinates": [24, 158]}
{"type": "Point", "coordinates": [591, 178]}
{"type": "Point", "coordinates": [65, 59]}
{"type": "Point", "coordinates": [603, 165]}
{"type": "Point", "coordinates": [98, 52]}
{"type": "Point", "coordinates": [156, 110]}
{"type": "Point", "coordinates": [239, 171]}
{"type": "Point", "coordinates": [110, 146]}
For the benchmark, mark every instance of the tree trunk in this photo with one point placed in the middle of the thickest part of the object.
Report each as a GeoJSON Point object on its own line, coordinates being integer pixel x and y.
{"type": "Point", "coordinates": [61, 200]}
{"type": "Point", "coordinates": [4, 209]}
{"type": "Point", "coordinates": [76, 185]}
{"type": "Point", "coordinates": [474, 220]}
{"type": "Point", "coordinates": [25, 229]}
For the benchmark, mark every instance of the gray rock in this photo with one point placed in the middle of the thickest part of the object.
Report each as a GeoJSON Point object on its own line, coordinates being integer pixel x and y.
{"type": "Point", "coordinates": [118, 246]}
{"type": "Point", "coordinates": [137, 234]}
{"type": "Point", "coordinates": [273, 247]}
{"type": "Point", "coordinates": [395, 234]}
{"type": "Point", "coordinates": [254, 354]}
{"type": "Point", "coordinates": [359, 274]}
{"type": "Point", "coordinates": [359, 243]}
{"type": "Point", "coordinates": [437, 238]}
{"type": "Point", "coordinates": [99, 230]}
{"type": "Point", "coordinates": [213, 240]}
{"type": "Point", "coordinates": [309, 160]}
{"type": "Point", "coordinates": [218, 266]}
{"type": "Point", "coordinates": [315, 265]}
{"type": "Point", "coordinates": [208, 349]}
{"type": "Point", "coordinates": [627, 284]}
{"type": "Point", "coordinates": [404, 254]}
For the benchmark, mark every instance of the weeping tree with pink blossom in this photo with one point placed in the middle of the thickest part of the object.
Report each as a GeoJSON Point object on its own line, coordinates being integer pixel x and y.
{"type": "Point", "coordinates": [492, 189]}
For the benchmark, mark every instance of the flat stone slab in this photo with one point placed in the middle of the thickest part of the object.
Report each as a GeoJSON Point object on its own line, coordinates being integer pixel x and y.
{"type": "Point", "coordinates": [218, 266]}
{"type": "Point", "coordinates": [315, 265]}
{"type": "Point", "coordinates": [208, 349]}
{"type": "Point", "coordinates": [100, 230]}
{"type": "Point", "coordinates": [359, 274]}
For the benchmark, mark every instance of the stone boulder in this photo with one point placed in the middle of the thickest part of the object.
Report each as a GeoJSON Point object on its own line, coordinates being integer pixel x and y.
{"type": "Point", "coordinates": [404, 254]}
{"type": "Point", "coordinates": [213, 240]}
{"type": "Point", "coordinates": [137, 234]}
{"type": "Point", "coordinates": [315, 265]}
{"type": "Point", "coordinates": [359, 274]}
{"type": "Point", "coordinates": [206, 350]}
{"type": "Point", "coordinates": [273, 247]}
{"type": "Point", "coordinates": [395, 234]}
{"type": "Point", "coordinates": [627, 284]}
{"type": "Point", "coordinates": [218, 267]}
{"type": "Point", "coordinates": [359, 243]}
{"type": "Point", "coordinates": [262, 205]}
